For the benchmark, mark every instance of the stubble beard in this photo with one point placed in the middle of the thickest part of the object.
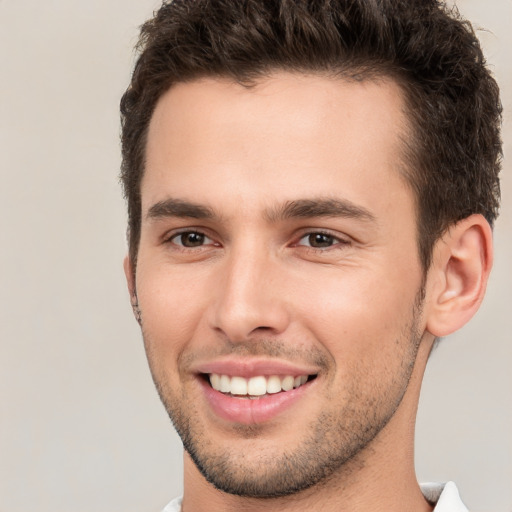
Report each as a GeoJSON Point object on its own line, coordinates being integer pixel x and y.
{"type": "Point", "coordinates": [333, 446]}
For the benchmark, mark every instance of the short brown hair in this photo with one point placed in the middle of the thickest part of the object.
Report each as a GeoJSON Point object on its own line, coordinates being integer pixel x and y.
{"type": "Point", "coordinates": [454, 150]}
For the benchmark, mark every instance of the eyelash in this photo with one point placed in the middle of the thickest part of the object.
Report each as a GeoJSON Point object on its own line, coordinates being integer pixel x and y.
{"type": "Point", "coordinates": [171, 239]}
{"type": "Point", "coordinates": [336, 241]}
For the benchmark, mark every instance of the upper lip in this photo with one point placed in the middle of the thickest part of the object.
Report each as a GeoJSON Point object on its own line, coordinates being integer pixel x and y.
{"type": "Point", "coordinates": [254, 367]}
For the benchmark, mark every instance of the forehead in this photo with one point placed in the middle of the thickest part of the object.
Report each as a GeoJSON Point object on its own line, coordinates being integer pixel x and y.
{"type": "Point", "coordinates": [287, 135]}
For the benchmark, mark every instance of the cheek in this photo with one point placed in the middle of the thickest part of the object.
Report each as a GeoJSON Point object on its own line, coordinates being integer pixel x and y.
{"type": "Point", "coordinates": [357, 315]}
{"type": "Point", "coordinates": [172, 306]}
{"type": "Point", "coordinates": [368, 332]}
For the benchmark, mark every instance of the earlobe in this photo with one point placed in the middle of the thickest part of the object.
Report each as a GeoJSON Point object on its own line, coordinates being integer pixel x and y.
{"type": "Point", "coordinates": [130, 281]}
{"type": "Point", "coordinates": [462, 261]}
{"type": "Point", "coordinates": [128, 272]}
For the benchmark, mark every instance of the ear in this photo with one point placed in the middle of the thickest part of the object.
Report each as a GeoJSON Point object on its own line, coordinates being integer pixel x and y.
{"type": "Point", "coordinates": [130, 281]}
{"type": "Point", "coordinates": [128, 272]}
{"type": "Point", "coordinates": [462, 261]}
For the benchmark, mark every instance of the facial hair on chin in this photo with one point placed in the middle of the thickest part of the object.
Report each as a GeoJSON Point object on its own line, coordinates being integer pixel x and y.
{"type": "Point", "coordinates": [333, 439]}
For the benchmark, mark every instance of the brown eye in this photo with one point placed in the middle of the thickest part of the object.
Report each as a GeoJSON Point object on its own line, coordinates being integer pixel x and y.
{"type": "Point", "coordinates": [190, 239]}
{"type": "Point", "coordinates": [320, 240]}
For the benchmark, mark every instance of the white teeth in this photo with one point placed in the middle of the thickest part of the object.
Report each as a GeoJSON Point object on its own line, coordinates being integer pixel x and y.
{"type": "Point", "coordinates": [225, 384]}
{"type": "Point", "coordinates": [215, 381]}
{"type": "Point", "coordinates": [287, 383]}
{"type": "Point", "coordinates": [255, 386]}
{"type": "Point", "coordinates": [238, 386]}
{"type": "Point", "coordinates": [273, 384]}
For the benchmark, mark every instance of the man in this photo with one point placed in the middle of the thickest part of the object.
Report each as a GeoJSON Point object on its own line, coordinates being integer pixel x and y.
{"type": "Point", "coordinates": [311, 187]}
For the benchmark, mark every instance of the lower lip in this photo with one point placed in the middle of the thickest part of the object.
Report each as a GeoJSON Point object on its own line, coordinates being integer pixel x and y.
{"type": "Point", "coordinates": [247, 411]}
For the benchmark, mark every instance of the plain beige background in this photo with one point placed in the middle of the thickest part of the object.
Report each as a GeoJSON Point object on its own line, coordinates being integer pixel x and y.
{"type": "Point", "coordinates": [81, 428]}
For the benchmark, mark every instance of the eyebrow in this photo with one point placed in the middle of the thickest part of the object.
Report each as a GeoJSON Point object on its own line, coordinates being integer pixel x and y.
{"type": "Point", "coordinates": [179, 208]}
{"type": "Point", "coordinates": [320, 207]}
{"type": "Point", "coordinates": [299, 208]}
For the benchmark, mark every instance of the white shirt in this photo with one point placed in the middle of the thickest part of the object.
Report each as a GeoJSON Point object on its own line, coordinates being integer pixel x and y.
{"type": "Point", "coordinates": [445, 496]}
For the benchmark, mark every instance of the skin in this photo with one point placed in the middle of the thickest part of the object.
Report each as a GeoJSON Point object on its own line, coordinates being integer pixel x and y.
{"type": "Point", "coordinates": [227, 162]}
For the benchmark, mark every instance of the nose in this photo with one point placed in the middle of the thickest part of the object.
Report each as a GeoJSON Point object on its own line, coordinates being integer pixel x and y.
{"type": "Point", "coordinates": [250, 298]}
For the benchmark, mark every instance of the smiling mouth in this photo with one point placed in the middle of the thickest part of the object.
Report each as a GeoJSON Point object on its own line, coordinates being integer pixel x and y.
{"type": "Point", "coordinates": [256, 387]}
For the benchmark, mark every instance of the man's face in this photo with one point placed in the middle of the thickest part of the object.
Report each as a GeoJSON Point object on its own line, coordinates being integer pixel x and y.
{"type": "Point", "coordinates": [278, 246]}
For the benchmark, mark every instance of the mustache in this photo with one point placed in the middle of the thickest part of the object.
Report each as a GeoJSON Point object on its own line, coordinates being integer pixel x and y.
{"type": "Point", "coordinates": [267, 348]}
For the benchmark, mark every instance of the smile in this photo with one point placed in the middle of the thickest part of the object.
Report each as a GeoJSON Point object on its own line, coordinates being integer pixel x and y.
{"type": "Point", "coordinates": [257, 386]}
{"type": "Point", "coordinates": [256, 397]}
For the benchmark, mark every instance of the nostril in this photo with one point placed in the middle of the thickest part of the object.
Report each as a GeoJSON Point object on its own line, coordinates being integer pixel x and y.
{"type": "Point", "coordinates": [253, 316]}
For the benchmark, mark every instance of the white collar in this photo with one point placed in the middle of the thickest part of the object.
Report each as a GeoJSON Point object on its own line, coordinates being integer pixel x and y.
{"type": "Point", "coordinates": [445, 496]}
